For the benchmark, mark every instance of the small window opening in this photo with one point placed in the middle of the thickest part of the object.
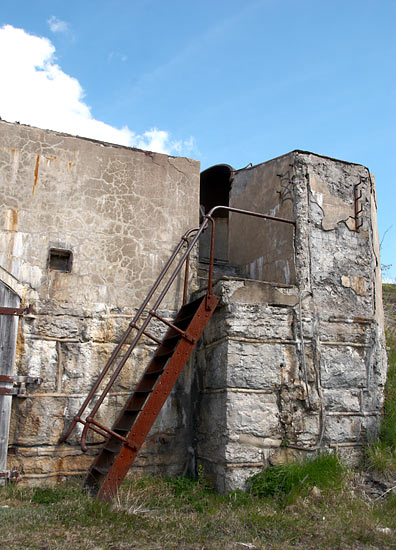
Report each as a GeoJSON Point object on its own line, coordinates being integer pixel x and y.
{"type": "Point", "coordinates": [60, 259]}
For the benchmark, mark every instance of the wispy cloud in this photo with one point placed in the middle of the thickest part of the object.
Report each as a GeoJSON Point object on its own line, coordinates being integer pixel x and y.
{"type": "Point", "coordinates": [213, 34]}
{"type": "Point", "coordinates": [112, 56]}
{"type": "Point", "coordinates": [36, 91]}
{"type": "Point", "coordinates": [57, 25]}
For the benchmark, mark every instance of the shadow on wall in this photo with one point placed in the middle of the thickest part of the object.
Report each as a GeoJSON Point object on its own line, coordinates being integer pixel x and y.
{"type": "Point", "coordinates": [244, 246]}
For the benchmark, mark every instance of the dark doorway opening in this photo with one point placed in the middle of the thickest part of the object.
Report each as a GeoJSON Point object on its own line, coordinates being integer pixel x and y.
{"type": "Point", "coordinates": [215, 190]}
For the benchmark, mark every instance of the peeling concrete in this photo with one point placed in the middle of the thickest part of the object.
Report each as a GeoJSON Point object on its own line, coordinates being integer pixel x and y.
{"type": "Point", "coordinates": [335, 209]}
{"type": "Point", "coordinates": [120, 211]}
{"type": "Point", "coordinates": [285, 370]}
{"type": "Point", "coordinates": [292, 361]}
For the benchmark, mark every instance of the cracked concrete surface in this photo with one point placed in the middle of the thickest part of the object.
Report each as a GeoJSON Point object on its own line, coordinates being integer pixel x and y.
{"type": "Point", "coordinates": [290, 362]}
{"type": "Point", "coordinates": [120, 211]}
{"type": "Point", "coordinates": [285, 370]}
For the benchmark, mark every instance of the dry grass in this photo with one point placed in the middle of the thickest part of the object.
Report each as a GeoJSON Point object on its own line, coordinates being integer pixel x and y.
{"type": "Point", "coordinates": [181, 513]}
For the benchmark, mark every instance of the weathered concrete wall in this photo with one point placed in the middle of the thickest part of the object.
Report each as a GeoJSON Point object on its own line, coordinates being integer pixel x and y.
{"type": "Point", "coordinates": [290, 363]}
{"type": "Point", "coordinates": [263, 249]}
{"type": "Point", "coordinates": [286, 370]}
{"type": "Point", "coordinates": [121, 212]}
{"type": "Point", "coordinates": [98, 200]}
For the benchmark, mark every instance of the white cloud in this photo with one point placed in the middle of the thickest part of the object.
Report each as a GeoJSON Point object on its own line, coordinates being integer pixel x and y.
{"type": "Point", "coordinates": [36, 91]}
{"type": "Point", "coordinates": [57, 25]}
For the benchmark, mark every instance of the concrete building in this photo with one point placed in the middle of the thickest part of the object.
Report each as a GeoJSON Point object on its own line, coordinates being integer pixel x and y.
{"type": "Point", "coordinates": [293, 359]}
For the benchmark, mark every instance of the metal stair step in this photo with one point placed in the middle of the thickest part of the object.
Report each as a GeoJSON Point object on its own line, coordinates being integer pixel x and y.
{"type": "Point", "coordinates": [166, 352]}
{"type": "Point", "coordinates": [101, 470]}
{"type": "Point", "coordinates": [113, 447]}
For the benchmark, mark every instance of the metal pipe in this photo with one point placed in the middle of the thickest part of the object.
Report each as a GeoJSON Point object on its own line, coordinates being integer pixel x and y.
{"type": "Point", "coordinates": [211, 261]}
{"type": "Point", "coordinates": [186, 275]}
{"type": "Point", "coordinates": [249, 213]}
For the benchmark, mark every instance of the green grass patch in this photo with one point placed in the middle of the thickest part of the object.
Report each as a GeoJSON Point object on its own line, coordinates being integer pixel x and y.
{"type": "Point", "coordinates": [388, 427]}
{"type": "Point", "coordinates": [381, 455]}
{"type": "Point", "coordinates": [296, 478]}
{"type": "Point", "coordinates": [51, 495]}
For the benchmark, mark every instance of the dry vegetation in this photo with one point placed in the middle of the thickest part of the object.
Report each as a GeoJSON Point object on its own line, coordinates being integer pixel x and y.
{"type": "Point", "coordinates": [180, 513]}
{"type": "Point", "coordinates": [298, 509]}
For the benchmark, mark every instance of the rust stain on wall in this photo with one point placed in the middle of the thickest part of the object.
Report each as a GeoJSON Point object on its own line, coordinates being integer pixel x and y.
{"type": "Point", "coordinates": [14, 219]}
{"type": "Point", "coordinates": [11, 219]}
{"type": "Point", "coordinates": [50, 159]}
{"type": "Point", "coordinates": [36, 172]}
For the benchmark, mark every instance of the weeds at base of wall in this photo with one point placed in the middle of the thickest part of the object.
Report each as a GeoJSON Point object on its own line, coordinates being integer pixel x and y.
{"type": "Point", "coordinates": [156, 514]}
{"type": "Point", "coordinates": [381, 455]}
{"type": "Point", "coordinates": [286, 482]}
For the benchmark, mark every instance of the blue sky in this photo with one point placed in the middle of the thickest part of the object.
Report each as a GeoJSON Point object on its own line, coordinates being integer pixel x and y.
{"type": "Point", "coordinates": [221, 81]}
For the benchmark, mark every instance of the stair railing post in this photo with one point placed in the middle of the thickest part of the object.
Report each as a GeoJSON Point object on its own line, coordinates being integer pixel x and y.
{"type": "Point", "coordinates": [211, 261]}
{"type": "Point", "coordinates": [186, 274]}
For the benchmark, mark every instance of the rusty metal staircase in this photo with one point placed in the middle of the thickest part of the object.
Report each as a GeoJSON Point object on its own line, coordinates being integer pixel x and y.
{"type": "Point", "coordinates": [144, 404]}
{"type": "Point", "coordinates": [127, 435]}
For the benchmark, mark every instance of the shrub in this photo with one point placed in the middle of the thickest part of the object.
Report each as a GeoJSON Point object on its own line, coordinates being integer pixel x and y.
{"type": "Point", "coordinates": [324, 471]}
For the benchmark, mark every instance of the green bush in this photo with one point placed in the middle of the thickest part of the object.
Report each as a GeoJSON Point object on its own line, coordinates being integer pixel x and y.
{"type": "Point", "coordinates": [388, 427]}
{"type": "Point", "coordinates": [324, 471]}
{"type": "Point", "coordinates": [381, 455]}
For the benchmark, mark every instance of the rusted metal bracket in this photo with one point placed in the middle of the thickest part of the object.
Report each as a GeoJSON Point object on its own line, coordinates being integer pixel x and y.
{"type": "Point", "coordinates": [358, 194]}
{"type": "Point", "coordinates": [182, 333]}
{"type": "Point", "coordinates": [17, 311]}
{"type": "Point", "coordinates": [20, 382]}
{"type": "Point", "coordinates": [13, 475]}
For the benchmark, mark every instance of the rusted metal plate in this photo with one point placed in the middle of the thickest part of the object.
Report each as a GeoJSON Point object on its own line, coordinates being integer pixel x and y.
{"type": "Point", "coordinates": [8, 391]}
{"type": "Point", "coordinates": [18, 311]}
{"type": "Point", "coordinates": [10, 475]}
{"type": "Point", "coordinates": [19, 381]}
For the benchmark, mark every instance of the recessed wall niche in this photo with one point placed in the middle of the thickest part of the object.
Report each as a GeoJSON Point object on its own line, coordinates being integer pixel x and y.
{"type": "Point", "coordinates": [60, 259]}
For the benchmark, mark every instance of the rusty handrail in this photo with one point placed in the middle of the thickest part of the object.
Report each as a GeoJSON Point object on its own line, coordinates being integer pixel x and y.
{"type": "Point", "coordinates": [131, 326]}
{"type": "Point", "coordinates": [190, 239]}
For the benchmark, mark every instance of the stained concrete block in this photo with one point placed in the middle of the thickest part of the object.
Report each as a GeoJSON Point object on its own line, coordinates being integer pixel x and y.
{"type": "Point", "coordinates": [37, 421]}
{"type": "Point", "coordinates": [253, 413]}
{"type": "Point", "coordinates": [343, 367]}
{"type": "Point", "coordinates": [342, 429]}
{"type": "Point", "coordinates": [342, 400]}
{"type": "Point", "coordinates": [40, 360]}
{"type": "Point", "coordinates": [255, 365]}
